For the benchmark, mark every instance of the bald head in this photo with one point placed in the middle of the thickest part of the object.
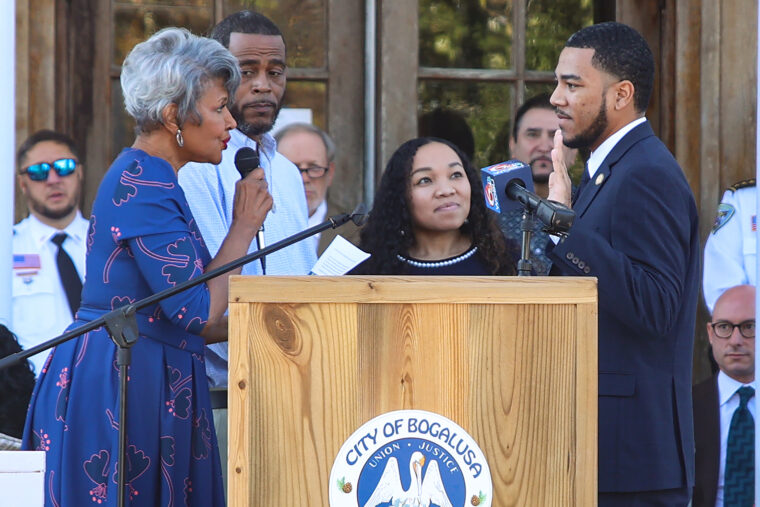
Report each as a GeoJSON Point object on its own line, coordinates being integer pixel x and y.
{"type": "Point", "coordinates": [735, 354]}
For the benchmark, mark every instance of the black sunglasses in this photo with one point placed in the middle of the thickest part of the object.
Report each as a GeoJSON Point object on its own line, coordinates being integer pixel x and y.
{"type": "Point", "coordinates": [40, 172]}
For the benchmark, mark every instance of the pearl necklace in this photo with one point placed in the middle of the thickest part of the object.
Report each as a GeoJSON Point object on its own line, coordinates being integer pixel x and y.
{"type": "Point", "coordinates": [439, 264]}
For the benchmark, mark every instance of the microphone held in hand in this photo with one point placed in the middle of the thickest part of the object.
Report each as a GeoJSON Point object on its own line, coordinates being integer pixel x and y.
{"type": "Point", "coordinates": [246, 160]}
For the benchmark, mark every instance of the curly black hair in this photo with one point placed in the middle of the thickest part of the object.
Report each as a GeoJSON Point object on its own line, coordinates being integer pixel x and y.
{"type": "Point", "coordinates": [388, 231]}
{"type": "Point", "coordinates": [16, 385]}
{"type": "Point", "coordinates": [621, 51]}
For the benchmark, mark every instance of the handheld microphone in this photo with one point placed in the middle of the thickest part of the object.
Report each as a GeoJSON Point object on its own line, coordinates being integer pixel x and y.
{"type": "Point", "coordinates": [246, 160]}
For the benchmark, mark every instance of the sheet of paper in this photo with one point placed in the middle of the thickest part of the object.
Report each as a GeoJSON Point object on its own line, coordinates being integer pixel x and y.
{"type": "Point", "coordinates": [339, 258]}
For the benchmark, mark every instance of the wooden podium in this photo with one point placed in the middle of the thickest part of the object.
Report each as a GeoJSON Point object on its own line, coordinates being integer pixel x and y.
{"type": "Point", "coordinates": [511, 360]}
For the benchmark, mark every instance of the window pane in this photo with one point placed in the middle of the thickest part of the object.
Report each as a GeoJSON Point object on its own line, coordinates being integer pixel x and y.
{"type": "Point", "coordinates": [311, 95]}
{"type": "Point", "coordinates": [156, 3]}
{"type": "Point", "coordinates": [135, 24]}
{"type": "Point", "coordinates": [548, 25]}
{"type": "Point", "coordinates": [473, 34]}
{"type": "Point", "coordinates": [303, 25]}
{"type": "Point", "coordinates": [485, 108]}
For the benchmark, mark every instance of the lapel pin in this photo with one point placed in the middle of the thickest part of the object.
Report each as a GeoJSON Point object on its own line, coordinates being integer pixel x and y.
{"type": "Point", "coordinates": [599, 180]}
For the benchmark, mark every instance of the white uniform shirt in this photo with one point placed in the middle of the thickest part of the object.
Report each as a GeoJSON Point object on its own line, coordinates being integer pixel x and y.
{"type": "Point", "coordinates": [40, 307]}
{"type": "Point", "coordinates": [210, 192]}
{"type": "Point", "coordinates": [728, 402]}
{"type": "Point", "coordinates": [731, 248]}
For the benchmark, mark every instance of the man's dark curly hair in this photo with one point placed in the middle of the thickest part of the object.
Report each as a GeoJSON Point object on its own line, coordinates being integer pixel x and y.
{"type": "Point", "coordinates": [621, 51]}
{"type": "Point", "coordinates": [388, 231]}
{"type": "Point", "coordinates": [16, 385]}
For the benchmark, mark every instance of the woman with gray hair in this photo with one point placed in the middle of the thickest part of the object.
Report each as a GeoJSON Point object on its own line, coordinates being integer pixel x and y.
{"type": "Point", "coordinates": [143, 239]}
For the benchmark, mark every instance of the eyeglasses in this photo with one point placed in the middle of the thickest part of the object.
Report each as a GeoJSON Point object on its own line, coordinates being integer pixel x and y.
{"type": "Point", "coordinates": [40, 172]}
{"type": "Point", "coordinates": [724, 329]}
{"type": "Point", "coordinates": [314, 171]}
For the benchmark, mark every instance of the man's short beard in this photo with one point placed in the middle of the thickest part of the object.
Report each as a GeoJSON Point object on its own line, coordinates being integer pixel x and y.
{"type": "Point", "coordinates": [541, 178]}
{"type": "Point", "coordinates": [46, 212]}
{"type": "Point", "coordinates": [249, 129]}
{"type": "Point", "coordinates": [589, 136]}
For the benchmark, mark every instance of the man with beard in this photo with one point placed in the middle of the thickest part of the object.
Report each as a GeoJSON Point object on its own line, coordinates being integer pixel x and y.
{"type": "Point", "coordinates": [258, 45]}
{"type": "Point", "coordinates": [531, 142]}
{"type": "Point", "coordinates": [49, 245]}
{"type": "Point", "coordinates": [636, 231]}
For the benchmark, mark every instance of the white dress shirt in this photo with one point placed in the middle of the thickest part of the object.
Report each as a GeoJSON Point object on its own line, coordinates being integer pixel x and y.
{"type": "Point", "coordinates": [317, 218]}
{"type": "Point", "coordinates": [40, 306]}
{"type": "Point", "coordinates": [210, 192]}
{"type": "Point", "coordinates": [728, 402]}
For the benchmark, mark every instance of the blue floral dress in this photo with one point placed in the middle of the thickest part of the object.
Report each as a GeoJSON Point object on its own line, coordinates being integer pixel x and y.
{"type": "Point", "coordinates": [142, 239]}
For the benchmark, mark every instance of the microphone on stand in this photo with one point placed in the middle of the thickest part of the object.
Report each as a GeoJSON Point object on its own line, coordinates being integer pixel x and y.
{"type": "Point", "coordinates": [246, 160]}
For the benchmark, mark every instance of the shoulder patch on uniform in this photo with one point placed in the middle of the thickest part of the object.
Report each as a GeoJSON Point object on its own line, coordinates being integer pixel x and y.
{"type": "Point", "coordinates": [749, 182]}
{"type": "Point", "coordinates": [725, 212]}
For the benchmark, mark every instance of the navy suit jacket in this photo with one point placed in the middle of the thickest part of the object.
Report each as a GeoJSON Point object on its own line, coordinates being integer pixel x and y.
{"type": "Point", "coordinates": [636, 231]}
{"type": "Point", "coordinates": [707, 442]}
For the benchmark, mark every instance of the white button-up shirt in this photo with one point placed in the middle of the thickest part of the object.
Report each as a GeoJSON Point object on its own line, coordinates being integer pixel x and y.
{"type": "Point", "coordinates": [210, 192]}
{"type": "Point", "coordinates": [40, 307]}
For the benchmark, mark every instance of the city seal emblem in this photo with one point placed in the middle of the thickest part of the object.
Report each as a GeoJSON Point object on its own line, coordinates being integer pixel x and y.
{"type": "Point", "coordinates": [410, 457]}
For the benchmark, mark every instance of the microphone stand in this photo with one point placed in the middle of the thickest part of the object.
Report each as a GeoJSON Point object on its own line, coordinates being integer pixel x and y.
{"type": "Point", "coordinates": [525, 265]}
{"type": "Point", "coordinates": [121, 323]}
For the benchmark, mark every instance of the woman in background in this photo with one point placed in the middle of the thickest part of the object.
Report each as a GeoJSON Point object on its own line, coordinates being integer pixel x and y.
{"type": "Point", "coordinates": [143, 239]}
{"type": "Point", "coordinates": [429, 217]}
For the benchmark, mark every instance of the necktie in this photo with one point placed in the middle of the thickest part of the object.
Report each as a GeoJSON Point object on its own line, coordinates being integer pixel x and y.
{"type": "Point", "coordinates": [68, 273]}
{"type": "Point", "coordinates": [739, 479]}
{"type": "Point", "coordinates": [584, 180]}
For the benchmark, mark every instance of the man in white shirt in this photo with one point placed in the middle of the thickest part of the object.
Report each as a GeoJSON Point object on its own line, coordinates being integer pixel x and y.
{"type": "Point", "coordinates": [312, 150]}
{"type": "Point", "coordinates": [44, 297]}
{"type": "Point", "coordinates": [717, 399]}
{"type": "Point", "coordinates": [636, 231]}
{"type": "Point", "coordinates": [258, 45]}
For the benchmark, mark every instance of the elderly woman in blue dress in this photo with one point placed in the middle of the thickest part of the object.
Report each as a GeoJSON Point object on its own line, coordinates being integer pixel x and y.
{"type": "Point", "coordinates": [143, 239]}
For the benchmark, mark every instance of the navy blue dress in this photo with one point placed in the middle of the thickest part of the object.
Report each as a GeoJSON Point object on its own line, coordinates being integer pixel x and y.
{"type": "Point", "coordinates": [142, 239]}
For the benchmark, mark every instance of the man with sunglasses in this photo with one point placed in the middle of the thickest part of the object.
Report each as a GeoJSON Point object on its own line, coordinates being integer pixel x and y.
{"type": "Point", "coordinates": [312, 150]}
{"type": "Point", "coordinates": [49, 245]}
{"type": "Point", "coordinates": [724, 406]}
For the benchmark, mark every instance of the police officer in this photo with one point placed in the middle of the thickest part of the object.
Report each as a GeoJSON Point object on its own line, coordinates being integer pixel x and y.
{"type": "Point", "coordinates": [731, 247]}
{"type": "Point", "coordinates": [53, 235]}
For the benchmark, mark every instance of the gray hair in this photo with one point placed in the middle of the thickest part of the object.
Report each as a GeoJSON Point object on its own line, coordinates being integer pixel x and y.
{"type": "Point", "coordinates": [174, 66]}
{"type": "Point", "coordinates": [312, 129]}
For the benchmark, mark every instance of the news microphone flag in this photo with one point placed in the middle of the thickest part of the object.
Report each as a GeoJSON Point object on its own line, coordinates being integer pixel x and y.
{"type": "Point", "coordinates": [495, 179]}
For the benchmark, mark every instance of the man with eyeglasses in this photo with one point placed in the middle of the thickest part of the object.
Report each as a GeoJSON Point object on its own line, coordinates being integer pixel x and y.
{"type": "Point", "coordinates": [49, 245]}
{"type": "Point", "coordinates": [312, 150]}
{"type": "Point", "coordinates": [724, 406]}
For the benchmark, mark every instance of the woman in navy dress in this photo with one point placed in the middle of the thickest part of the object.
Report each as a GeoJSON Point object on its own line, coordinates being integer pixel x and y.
{"type": "Point", "coordinates": [429, 217]}
{"type": "Point", "coordinates": [143, 239]}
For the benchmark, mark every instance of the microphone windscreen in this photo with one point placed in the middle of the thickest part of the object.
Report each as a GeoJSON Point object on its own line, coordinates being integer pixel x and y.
{"type": "Point", "coordinates": [495, 179]}
{"type": "Point", "coordinates": [246, 160]}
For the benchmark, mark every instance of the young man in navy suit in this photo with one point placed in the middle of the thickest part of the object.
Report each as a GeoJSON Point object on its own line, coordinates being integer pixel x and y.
{"type": "Point", "coordinates": [636, 231]}
{"type": "Point", "coordinates": [732, 338]}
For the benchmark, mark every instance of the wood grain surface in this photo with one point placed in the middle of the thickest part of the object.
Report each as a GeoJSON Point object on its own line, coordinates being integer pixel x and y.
{"type": "Point", "coordinates": [519, 376]}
